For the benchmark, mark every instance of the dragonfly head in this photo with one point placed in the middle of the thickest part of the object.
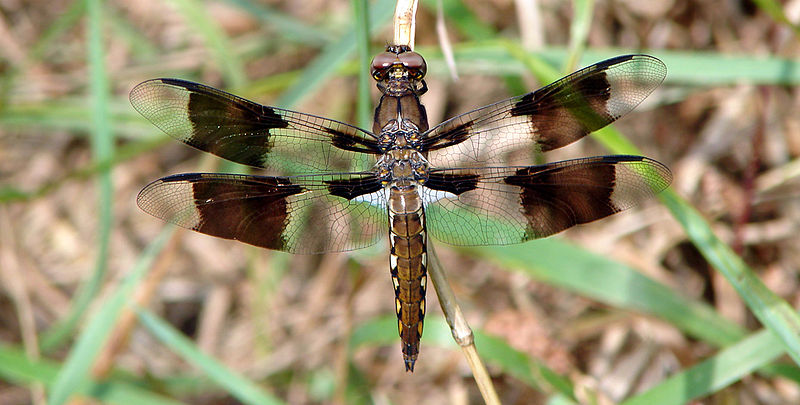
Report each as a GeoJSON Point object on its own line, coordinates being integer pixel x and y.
{"type": "Point", "coordinates": [398, 64]}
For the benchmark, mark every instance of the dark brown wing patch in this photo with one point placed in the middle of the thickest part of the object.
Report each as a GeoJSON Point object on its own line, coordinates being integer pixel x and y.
{"type": "Point", "coordinates": [455, 183]}
{"type": "Point", "coordinates": [353, 187]}
{"type": "Point", "coordinates": [509, 205]}
{"type": "Point", "coordinates": [295, 214]}
{"type": "Point", "coordinates": [249, 133]}
{"type": "Point", "coordinates": [215, 115]}
{"type": "Point", "coordinates": [249, 209]}
{"type": "Point", "coordinates": [565, 196]}
{"type": "Point", "coordinates": [567, 110]}
{"type": "Point", "coordinates": [514, 131]}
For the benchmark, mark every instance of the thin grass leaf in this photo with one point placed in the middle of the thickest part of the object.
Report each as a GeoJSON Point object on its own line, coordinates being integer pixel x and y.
{"type": "Point", "coordinates": [284, 25]}
{"type": "Point", "coordinates": [521, 366]}
{"type": "Point", "coordinates": [378, 331]}
{"type": "Point", "coordinates": [725, 368]}
{"type": "Point", "coordinates": [775, 10]}
{"type": "Point", "coordinates": [139, 44]}
{"type": "Point", "coordinates": [102, 146]}
{"type": "Point", "coordinates": [461, 17]}
{"type": "Point", "coordinates": [685, 67]}
{"type": "Point", "coordinates": [269, 84]}
{"type": "Point", "coordinates": [72, 115]}
{"type": "Point", "coordinates": [363, 101]}
{"type": "Point", "coordinates": [543, 72]}
{"type": "Point", "coordinates": [578, 32]}
{"type": "Point", "coordinates": [325, 65]}
{"type": "Point", "coordinates": [65, 21]}
{"type": "Point", "coordinates": [773, 312]}
{"type": "Point", "coordinates": [559, 400]}
{"type": "Point", "coordinates": [359, 389]}
{"type": "Point", "coordinates": [218, 44]}
{"type": "Point", "coordinates": [17, 367]}
{"type": "Point", "coordinates": [92, 339]}
{"type": "Point", "coordinates": [561, 264]}
{"type": "Point", "coordinates": [238, 386]}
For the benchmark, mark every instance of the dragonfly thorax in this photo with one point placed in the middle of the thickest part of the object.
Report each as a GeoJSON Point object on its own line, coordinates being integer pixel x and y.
{"type": "Point", "coordinates": [402, 166]}
{"type": "Point", "coordinates": [399, 133]}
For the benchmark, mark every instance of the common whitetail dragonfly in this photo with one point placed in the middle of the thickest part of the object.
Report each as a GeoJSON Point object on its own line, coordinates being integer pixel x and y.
{"type": "Point", "coordinates": [466, 181]}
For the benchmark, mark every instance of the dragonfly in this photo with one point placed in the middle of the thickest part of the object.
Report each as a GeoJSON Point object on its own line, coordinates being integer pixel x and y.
{"type": "Point", "coordinates": [467, 181]}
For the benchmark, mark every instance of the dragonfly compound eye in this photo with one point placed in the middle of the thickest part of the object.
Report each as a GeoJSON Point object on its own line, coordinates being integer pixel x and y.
{"type": "Point", "coordinates": [415, 63]}
{"type": "Point", "coordinates": [381, 63]}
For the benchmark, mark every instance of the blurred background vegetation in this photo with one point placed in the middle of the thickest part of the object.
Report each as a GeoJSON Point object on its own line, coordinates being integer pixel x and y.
{"type": "Point", "coordinates": [685, 299]}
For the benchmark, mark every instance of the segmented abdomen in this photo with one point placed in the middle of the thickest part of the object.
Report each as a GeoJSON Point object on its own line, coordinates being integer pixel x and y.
{"type": "Point", "coordinates": [408, 262]}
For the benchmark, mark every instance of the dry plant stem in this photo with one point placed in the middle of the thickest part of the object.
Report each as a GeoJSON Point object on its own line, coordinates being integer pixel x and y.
{"type": "Point", "coordinates": [460, 328]}
{"type": "Point", "coordinates": [405, 22]}
{"type": "Point", "coordinates": [119, 339]}
{"type": "Point", "coordinates": [444, 41]}
{"type": "Point", "coordinates": [529, 18]}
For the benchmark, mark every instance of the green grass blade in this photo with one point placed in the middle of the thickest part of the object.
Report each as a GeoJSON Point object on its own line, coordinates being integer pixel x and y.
{"type": "Point", "coordinates": [775, 10]}
{"type": "Point", "coordinates": [228, 62]}
{"type": "Point", "coordinates": [578, 32]}
{"type": "Point", "coordinates": [363, 99]}
{"type": "Point", "coordinates": [102, 146]}
{"type": "Point", "coordinates": [283, 24]}
{"type": "Point", "coordinates": [139, 44]}
{"type": "Point", "coordinates": [463, 19]}
{"type": "Point", "coordinates": [685, 67]}
{"type": "Point", "coordinates": [92, 339]}
{"type": "Point", "coordinates": [18, 368]}
{"type": "Point", "coordinates": [65, 21]}
{"type": "Point", "coordinates": [325, 65]}
{"type": "Point", "coordinates": [379, 331]}
{"type": "Point", "coordinates": [244, 390]}
{"type": "Point", "coordinates": [71, 114]}
{"type": "Point", "coordinates": [543, 71]}
{"type": "Point", "coordinates": [725, 368]}
{"type": "Point", "coordinates": [567, 266]}
{"type": "Point", "coordinates": [522, 366]}
{"type": "Point", "coordinates": [359, 389]}
{"type": "Point", "coordinates": [773, 312]}
{"type": "Point", "coordinates": [102, 141]}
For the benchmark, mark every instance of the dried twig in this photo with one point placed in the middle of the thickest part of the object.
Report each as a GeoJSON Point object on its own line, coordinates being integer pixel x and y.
{"type": "Point", "coordinates": [405, 17]}
{"type": "Point", "coordinates": [460, 329]}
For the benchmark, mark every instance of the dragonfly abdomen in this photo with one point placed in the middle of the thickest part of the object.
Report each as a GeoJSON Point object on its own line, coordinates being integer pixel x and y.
{"type": "Point", "coordinates": [408, 262]}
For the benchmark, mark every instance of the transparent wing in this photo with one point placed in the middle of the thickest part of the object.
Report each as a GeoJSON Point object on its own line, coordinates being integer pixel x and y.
{"type": "Point", "coordinates": [249, 133]}
{"type": "Point", "coordinates": [297, 214]}
{"type": "Point", "coordinates": [505, 205]}
{"type": "Point", "coordinates": [514, 130]}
